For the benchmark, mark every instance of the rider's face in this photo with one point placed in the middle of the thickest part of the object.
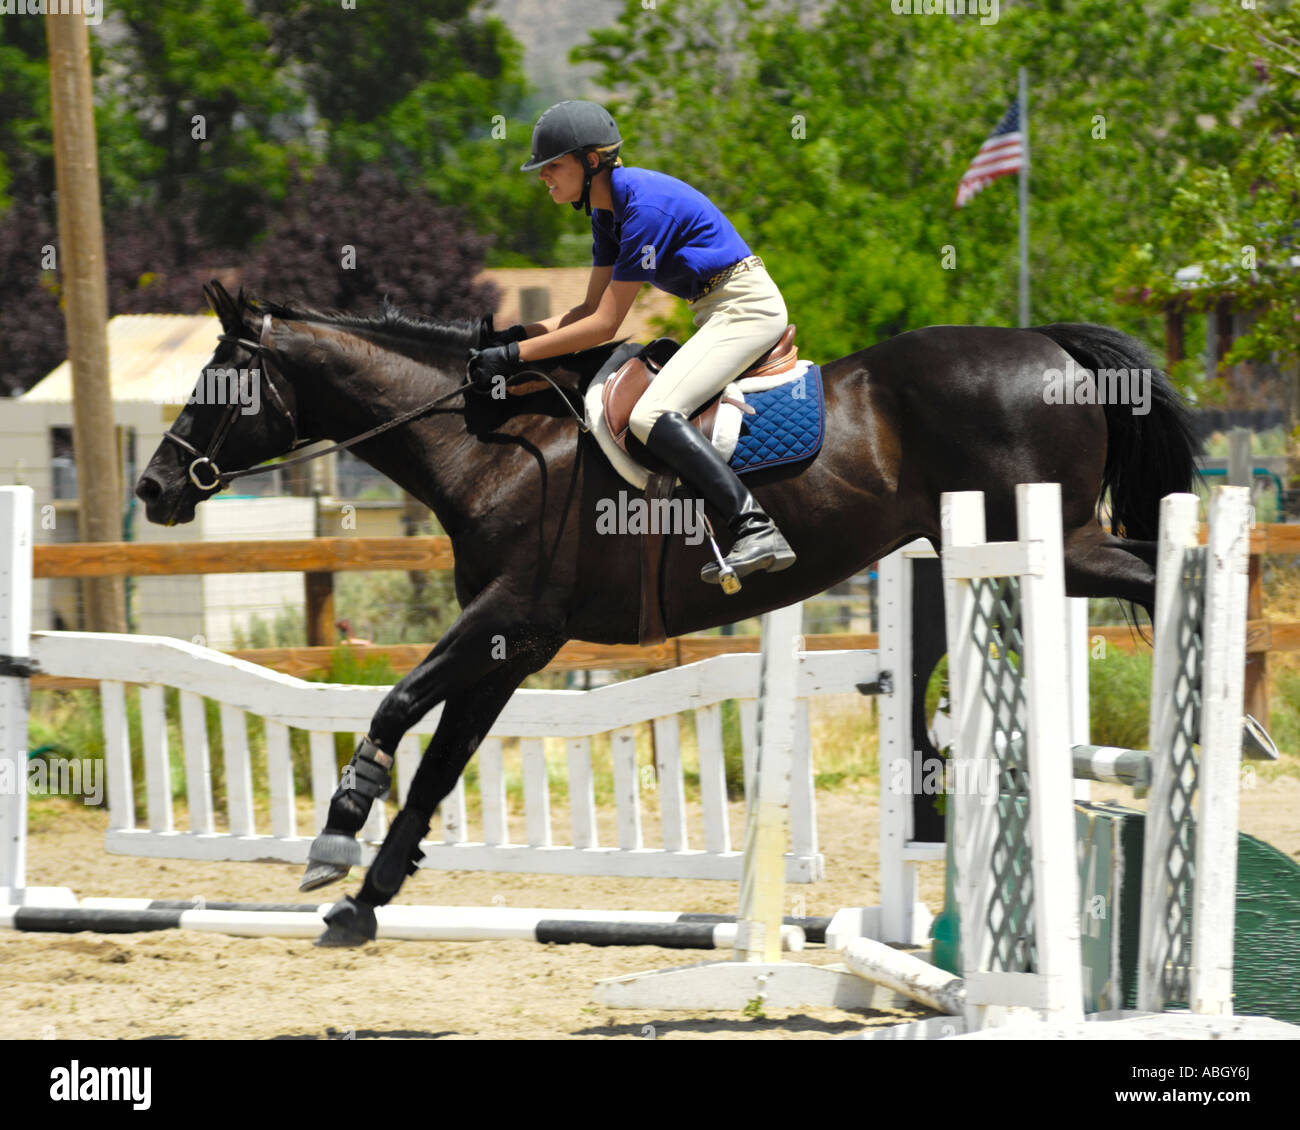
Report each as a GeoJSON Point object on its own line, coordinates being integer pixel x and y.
{"type": "Point", "coordinates": [563, 177]}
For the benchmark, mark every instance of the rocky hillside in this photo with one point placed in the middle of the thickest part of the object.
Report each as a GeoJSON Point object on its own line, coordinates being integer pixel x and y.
{"type": "Point", "coordinates": [548, 29]}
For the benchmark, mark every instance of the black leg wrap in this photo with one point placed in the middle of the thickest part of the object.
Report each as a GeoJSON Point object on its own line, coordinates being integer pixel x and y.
{"type": "Point", "coordinates": [399, 857]}
{"type": "Point", "coordinates": [365, 779]}
{"type": "Point", "coordinates": [336, 850]}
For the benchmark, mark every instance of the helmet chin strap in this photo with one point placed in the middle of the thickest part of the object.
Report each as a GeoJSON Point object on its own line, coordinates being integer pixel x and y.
{"type": "Point", "coordinates": [585, 201]}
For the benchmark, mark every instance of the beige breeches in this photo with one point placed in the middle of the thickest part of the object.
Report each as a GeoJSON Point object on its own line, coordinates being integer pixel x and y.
{"type": "Point", "coordinates": [738, 322]}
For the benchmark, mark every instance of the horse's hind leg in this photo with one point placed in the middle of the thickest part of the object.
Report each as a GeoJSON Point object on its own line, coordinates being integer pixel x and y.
{"type": "Point", "coordinates": [1100, 564]}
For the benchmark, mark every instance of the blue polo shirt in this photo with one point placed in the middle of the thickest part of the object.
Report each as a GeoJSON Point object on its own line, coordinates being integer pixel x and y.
{"type": "Point", "coordinates": [664, 232]}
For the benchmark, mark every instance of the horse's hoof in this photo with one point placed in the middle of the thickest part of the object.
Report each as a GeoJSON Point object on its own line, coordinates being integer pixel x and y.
{"type": "Point", "coordinates": [331, 856]}
{"type": "Point", "coordinates": [349, 923]}
{"type": "Point", "coordinates": [320, 875]}
{"type": "Point", "coordinates": [1256, 743]}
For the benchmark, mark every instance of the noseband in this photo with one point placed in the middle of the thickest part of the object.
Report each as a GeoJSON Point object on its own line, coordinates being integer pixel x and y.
{"type": "Point", "coordinates": [260, 349]}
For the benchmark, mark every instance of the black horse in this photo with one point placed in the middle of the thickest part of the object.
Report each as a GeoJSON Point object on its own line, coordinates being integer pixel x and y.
{"type": "Point", "coordinates": [516, 484]}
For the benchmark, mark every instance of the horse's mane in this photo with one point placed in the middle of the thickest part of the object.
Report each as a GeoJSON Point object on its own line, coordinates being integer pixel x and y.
{"type": "Point", "coordinates": [421, 334]}
{"type": "Point", "coordinates": [392, 321]}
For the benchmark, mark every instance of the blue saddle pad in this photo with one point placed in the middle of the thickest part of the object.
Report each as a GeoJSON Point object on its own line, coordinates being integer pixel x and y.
{"type": "Point", "coordinates": [788, 425]}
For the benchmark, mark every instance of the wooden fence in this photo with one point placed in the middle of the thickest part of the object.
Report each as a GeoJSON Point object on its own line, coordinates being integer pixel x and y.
{"type": "Point", "coordinates": [320, 558]}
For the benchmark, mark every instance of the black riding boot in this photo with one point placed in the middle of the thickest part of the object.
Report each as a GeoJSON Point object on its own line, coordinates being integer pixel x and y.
{"type": "Point", "coordinates": [759, 544]}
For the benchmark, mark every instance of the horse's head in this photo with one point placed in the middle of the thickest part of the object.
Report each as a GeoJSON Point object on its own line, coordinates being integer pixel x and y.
{"type": "Point", "coordinates": [241, 413]}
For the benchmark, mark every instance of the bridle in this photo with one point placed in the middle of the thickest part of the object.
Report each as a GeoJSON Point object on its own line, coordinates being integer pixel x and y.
{"type": "Point", "coordinates": [261, 349]}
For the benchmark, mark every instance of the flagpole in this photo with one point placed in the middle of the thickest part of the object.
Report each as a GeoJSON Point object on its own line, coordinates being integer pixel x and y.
{"type": "Point", "coordinates": [1024, 200]}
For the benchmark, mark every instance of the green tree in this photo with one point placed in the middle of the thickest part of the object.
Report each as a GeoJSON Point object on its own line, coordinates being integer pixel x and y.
{"type": "Point", "coordinates": [1238, 219]}
{"type": "Point", "coordinates": [212, 106]}
{"type": "Point", "coordinates": [26, 155]}
{"type": "Point", "coordinates": [191, 112]}
{"type": "Point", "coordinates": [834, 139]}
{"type": "Point", "coordinates": [432, 92]}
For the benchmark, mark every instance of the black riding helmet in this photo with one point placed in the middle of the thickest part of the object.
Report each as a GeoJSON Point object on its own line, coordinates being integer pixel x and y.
{"type": "Point", "coordinates": [573, 127]}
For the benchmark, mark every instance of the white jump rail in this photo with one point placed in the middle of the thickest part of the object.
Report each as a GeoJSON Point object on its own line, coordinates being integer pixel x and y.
{"type": "Point", "coordinates": [692, 842]}
{"type": "Point", "coordinates": [324, 709]}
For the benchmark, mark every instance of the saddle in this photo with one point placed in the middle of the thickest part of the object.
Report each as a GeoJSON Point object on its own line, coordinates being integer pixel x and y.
{"type": "Point", "coordinates": [621, 391]}
{"type": "Point", "coordinates": [618, 396]}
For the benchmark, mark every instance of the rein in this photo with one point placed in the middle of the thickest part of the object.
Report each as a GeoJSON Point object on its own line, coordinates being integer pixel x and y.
{"type": "Point", "coordinates": [261, 349]}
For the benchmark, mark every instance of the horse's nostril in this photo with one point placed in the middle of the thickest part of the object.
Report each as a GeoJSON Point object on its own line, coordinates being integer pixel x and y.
{"type": "Point", "coordinates": [147, 489]}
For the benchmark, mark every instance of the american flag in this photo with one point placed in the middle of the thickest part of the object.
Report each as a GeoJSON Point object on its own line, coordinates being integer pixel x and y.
{"type": "Point", "coordinates": [1002, 153]}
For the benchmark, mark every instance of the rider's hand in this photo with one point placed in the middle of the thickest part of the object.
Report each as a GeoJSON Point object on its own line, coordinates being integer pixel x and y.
{"type": "Point", "coordinates": [517, 332]}
{"type": "Point", "coordinates": [485, 365]}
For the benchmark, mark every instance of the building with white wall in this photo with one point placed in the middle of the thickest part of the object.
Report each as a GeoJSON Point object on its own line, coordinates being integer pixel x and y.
{"type": "Point", "coordinates": [154, 360]}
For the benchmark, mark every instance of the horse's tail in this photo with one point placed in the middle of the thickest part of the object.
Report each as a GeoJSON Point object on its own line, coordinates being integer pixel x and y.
{"type": "Point", "coordinates": [1147, 456]}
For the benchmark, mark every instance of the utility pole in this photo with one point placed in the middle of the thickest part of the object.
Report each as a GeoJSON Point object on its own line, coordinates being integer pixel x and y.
{"type": "Point", "coordinates": [83, 274]}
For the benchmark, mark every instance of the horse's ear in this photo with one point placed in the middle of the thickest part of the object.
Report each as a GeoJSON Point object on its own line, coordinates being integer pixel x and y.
{"type": "Point", "coordinates": [224, 306]}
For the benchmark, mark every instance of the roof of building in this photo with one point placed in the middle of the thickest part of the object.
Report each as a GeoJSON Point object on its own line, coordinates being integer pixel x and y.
{"type": "Point", "coordinates": [568, 287]}
{"type": "Point", "coordinates": [154, 357]}
{"type": "Point", "coordinates": [158, 357]}
{"type": "Point", "coordinates": [1193, 282]}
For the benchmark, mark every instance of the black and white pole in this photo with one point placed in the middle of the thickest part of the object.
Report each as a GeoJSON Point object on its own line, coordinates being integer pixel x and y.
{"type": "Point", "coordinates": [663, 929]}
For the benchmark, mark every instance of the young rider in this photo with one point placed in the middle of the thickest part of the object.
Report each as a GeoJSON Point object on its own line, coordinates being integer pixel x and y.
{"type": "Point", "coordinates": [649, 227]}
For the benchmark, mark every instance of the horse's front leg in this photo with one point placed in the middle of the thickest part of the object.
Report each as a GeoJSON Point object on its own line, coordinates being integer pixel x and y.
{"type": "Point", "coordinates": [465, 720]}
{"type": "Point", "coordinates": [469, 652]}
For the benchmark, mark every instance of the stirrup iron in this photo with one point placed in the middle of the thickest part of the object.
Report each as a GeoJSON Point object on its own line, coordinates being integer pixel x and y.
{"type": "Point", "coordinates": [726, 574]}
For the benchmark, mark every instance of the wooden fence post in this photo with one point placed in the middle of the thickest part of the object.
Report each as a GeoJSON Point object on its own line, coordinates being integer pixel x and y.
{"type": "Point", "coordinates": [318, 589]}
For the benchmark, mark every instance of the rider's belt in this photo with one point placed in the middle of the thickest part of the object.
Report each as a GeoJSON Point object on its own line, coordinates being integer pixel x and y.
{"type": "Point", "coordinates": [750, 264]}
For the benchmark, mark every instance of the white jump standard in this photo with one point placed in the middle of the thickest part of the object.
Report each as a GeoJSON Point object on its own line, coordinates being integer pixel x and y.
{"type": "Point", "coordinates": [1020, 952]}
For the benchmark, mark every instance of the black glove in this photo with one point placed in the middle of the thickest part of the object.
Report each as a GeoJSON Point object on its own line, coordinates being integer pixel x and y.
{"type": "Point", "coordinates": [518, 332]}
{"type": "Point", "coordinates": [488, 337]}
{"type": "Point", "coordinates": [485, 365]}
